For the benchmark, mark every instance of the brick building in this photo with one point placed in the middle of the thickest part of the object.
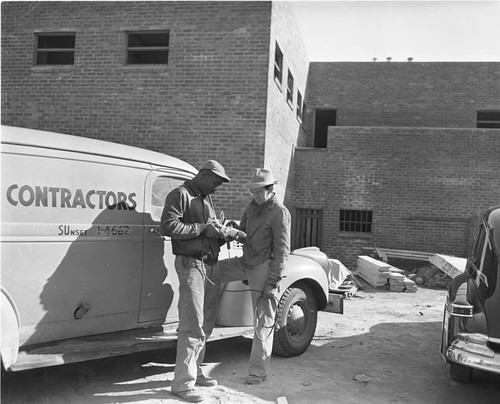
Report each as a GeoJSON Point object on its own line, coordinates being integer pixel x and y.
{"type": "Point", "coordinates": [210, 92]}
{"type": "Point", "coordinates": [408, 154]}
{"type": "Point", "coordinates": [386, 154]}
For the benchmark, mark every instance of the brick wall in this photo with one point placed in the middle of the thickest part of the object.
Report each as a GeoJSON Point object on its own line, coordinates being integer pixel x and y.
{"type": "Point", "coordinates": [209, 102]}
{"type": "Point", "coordinates": [425, 186]}
{"type": "Point", "coordinates": [282, 126]}
{"type": "Point", "coordinates": [408, 94]}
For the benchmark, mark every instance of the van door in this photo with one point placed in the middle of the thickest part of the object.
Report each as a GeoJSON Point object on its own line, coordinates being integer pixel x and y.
{"type": "Point", "coordinates": [160, 285]}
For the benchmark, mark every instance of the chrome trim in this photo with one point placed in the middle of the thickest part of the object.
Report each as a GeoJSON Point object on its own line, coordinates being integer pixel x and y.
{"type": "Point", "coordinates": [459, 310]}
{"type": "Point", "coordinates": [471, 350]}
{"type": "Point", "coordinates": [494, 340]}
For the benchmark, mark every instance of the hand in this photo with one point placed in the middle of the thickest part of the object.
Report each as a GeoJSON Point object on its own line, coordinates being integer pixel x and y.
{"type": "Point", "coordinates": [270, 291]}
{"type": "Point", "coordinates": [232, 224]}
{"type": "Point", "coordinates": [212, 231]}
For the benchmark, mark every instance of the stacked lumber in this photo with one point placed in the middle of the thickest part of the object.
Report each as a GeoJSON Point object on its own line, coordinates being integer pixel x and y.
{"type": "Point", "coordinates": [401, 283]}
{"type": "Point", "coordinates": [410, 286]}
{"type": "Point", "coordinates": [373, 271]}
{"type": "Point", "coordinates": [396, 282]}
{"type": "Point", "coordinates": [380, 274]}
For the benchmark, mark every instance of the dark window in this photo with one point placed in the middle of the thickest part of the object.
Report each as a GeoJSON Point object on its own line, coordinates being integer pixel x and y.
{"type": "Point", "coordinates": [304, 110]}
{"type": "Point", "coordinates": [147, 47]}
{"type": "Point", "coordinates": [359, 221]}
{"type": "Point", "coordinates": [308, 225]}
{"type": "Point", "coordinates": [278, 64]}
{"type": "Point", "coordinates": [323, 119]}
{"type": "Point", "coordinates": [289, 88]}
{"type": "Point", "coordinates": [299, 105]}
{"type": "Point", "coordinates": [488, 119]}
{"type": "Point", "coordinates": [55, 49]}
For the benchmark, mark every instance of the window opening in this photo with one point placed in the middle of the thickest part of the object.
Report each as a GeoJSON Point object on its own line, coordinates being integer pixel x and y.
{"type": "Point", "coordinates": [150, 47]}
{"type": "Point", "coordinates": [289, 88]}
{"type": "Point", "coordinates": [55, 49]}
{"type": "Point", "coordinates": [278, 64]}
{"type": "Point", "coordinates": [299, 106]}
{"type": "Point", "coordinates": [488, 119]}
{"type": "Point", "coordinates": [359, 221]}
{"type": "Point", "coordinates": [308, 228]}
{"type": "Point", "coordinates": [323, 119]}
{"type": "Point", "coordinates": [160, 189]}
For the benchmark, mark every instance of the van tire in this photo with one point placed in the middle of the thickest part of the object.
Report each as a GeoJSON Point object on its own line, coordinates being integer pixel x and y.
{"type": "Point", "coordinates": [296, 318]}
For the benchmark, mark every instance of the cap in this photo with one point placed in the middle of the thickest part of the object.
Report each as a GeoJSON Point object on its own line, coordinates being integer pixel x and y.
{"type": "Point", "coordinates": [216, 168]}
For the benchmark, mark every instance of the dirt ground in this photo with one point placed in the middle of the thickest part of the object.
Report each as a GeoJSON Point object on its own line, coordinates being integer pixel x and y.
{"type": "Point", "coordinates": [384, 349]}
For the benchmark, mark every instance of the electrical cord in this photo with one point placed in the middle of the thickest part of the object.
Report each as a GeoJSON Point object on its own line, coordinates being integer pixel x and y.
{"type": "Point", "coordinates": [257, 319]}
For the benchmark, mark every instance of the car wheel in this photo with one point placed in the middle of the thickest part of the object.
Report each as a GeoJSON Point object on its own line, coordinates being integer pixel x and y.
{"type": "Point", "coordinates": [460, 373]}
{"type": "Point", "coordinates": [296, 318]}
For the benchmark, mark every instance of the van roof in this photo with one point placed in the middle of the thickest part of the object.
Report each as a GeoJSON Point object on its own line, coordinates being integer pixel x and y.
{"type": "Point", "coordinates": [59, 141]}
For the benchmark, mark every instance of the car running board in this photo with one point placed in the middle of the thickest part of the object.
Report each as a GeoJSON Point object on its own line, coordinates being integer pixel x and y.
{"type": "Point", "coordinates": [106, 345]}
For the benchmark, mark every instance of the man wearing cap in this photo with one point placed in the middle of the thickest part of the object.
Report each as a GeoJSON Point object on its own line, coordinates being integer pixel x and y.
{"type": "Point", "coordinates": [189, 219]}
{"type": "Point", "coordinates": [266, 248]}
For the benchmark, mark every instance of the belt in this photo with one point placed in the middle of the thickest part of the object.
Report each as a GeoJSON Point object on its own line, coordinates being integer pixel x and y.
{"type": "Point", "coordinates": [208, 259]}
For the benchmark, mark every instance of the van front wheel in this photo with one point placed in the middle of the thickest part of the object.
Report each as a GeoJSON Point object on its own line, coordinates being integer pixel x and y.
{"type": "Point", "coordinates": [296, 318]}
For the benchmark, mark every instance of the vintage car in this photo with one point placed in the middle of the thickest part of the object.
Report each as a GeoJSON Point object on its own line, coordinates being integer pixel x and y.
{"type": "Point", "coordinates": [85, 273]}
{"type": "Point", "coordinates": [471, 324]}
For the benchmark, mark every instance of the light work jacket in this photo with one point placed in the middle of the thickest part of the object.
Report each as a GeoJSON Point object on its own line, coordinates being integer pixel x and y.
{"type": "Point", "coordinates": [268, 236]}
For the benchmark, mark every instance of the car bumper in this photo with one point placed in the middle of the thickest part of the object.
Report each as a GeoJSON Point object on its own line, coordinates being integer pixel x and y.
{"type": "Point", "coordinates": [471, 350]}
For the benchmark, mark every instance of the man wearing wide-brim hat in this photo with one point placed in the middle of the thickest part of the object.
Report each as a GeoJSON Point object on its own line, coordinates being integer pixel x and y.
{"type": "Point", "coordinates": [266, 248]}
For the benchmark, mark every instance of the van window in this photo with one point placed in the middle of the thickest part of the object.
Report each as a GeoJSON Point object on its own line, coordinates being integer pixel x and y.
{"type": "Point", "coordinates": [161, 188]}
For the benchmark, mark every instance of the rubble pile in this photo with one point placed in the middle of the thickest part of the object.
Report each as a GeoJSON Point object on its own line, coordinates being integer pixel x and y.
{"type": "Point", "coordinates": [431, 277]}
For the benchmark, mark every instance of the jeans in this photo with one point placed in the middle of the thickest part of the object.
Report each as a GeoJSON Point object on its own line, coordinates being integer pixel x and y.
{"type": "Point", "coordinates": [197, 314]}
{"type": "Point", "coordinates": [264, 310]}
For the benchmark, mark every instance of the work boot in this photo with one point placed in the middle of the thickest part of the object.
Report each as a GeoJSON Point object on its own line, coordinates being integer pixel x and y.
{"type": "Point", "coordinates": [205, 381]}
{"type": "Point", "coordinates": [193, 396]}
{"type": "Point", "coordinates": [254, 379]}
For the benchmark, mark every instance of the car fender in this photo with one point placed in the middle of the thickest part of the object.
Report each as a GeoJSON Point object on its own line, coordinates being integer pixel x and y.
{"type": "Point", "coordinates": [301, 269]}
{"type": "Point", "coordinates": [9, 347]}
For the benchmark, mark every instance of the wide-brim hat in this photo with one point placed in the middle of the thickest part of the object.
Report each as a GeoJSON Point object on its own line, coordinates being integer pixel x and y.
{"type": "Point", "coordinates": [260, 178]}
{"type": "Point", "coordinates": [216, 168]}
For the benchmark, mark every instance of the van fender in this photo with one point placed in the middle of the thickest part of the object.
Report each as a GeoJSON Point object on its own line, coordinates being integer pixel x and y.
{"type": "Point", "coordinates": [9, 345]}
{"type": "Point", "coordinates": [308, 271]}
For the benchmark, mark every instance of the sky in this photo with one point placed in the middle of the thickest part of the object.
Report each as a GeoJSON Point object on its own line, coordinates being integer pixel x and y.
{"type": "Point", "coordinates": [427, 31]}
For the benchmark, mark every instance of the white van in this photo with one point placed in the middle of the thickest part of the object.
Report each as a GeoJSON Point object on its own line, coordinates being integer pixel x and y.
{"type": "Point", "coordinates": [84, 273]}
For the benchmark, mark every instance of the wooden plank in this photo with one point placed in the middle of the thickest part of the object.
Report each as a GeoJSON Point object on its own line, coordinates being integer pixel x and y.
{"type": "Point", "coordinates": [452, 266]}
{"type": "Point", "coordinates": [385, 253]}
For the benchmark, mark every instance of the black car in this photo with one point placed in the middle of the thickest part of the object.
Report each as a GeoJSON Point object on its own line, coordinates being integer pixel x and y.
{"type": "Point", "coordinates": [471, 324]}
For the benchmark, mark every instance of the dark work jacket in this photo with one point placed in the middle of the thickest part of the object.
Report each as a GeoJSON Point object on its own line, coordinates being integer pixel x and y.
{"type": "Point", "coordinates": [182, 219]}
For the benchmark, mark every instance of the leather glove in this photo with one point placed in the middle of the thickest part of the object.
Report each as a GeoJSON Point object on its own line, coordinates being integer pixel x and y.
{"type": "Point", "coordinates": [270, 291]}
